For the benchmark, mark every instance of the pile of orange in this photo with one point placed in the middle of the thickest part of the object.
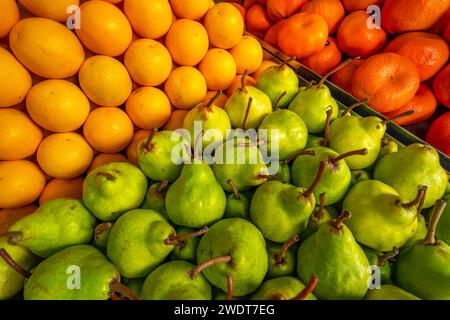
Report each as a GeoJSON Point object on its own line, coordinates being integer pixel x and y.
{"type": "Point", "coordinates": [401, 49]}
{"type": "Point", "coordinates": [72, 99]}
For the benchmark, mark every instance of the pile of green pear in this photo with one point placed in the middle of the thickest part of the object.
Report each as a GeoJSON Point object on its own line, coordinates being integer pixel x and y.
{"type": "Point", "coordinates": [349, 214]}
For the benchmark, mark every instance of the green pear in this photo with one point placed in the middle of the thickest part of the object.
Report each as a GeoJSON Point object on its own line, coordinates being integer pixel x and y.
{"type": "Point", "coordinates": [134, 285]}
{"type": "Point", "coordinates": [195, 199]}
{"type": "Point", "coordinates": [171, 281]}
{"type": "Point", "coordinates": [15, 264]}
{"type": "Point", "coordinates": [242, 162]}
{"type": "Point", "coordinates": [387, 147]}
{"type": "Point", "coordinates": [282, 259]}
{"type": "Point", "coordinates": [162, 155]}
{"type": "Point", "coordinates": [420, 233]}
{"type": "Point", "coordinates": [412, 167]}
{"type": "Point", "coordinates": [57, 224]}
{"type": "Point", "coordinates": [443, 228]}
{"type": "Point", "coordinates": [315, 141]}
{"type": "Point", "coordinates": [186, 243]}
{"type": "Point", "coordinates": [359, 176]}
{"type": "Point", "coordinates": [424, 268]}
{"type": "Point", "coordinates": [281, 210]}
{"type": "Point", "coordinates": [113, 189]}
{"type": "Point", "coordinates": [238, 205]}
{"type": "Point", "coordinates": [210, 117]}
{"type": "Point", "coordinates": [136, 243]}
{"type": "Point", "coordinates": [334, 256]}
{"type": "Point", "coordinates": [287, 130]}
{"type": "Point", "coordinates": [337, 177]}
{"type": "Point", "coordinates": [280, 83]}
{"type": "Point", "coordinates": [389, 292]}
{"type": "Point", "coordinates": [381, 260]}
{"type": "Point", "coordinates": [373, 203]}
{"type": "Point", "coordinates": [321, 214]}
{"type": "Point", "coordinates": [247, 107]}
{"type": "Point", "coordinates": [283, 173]}
{"type": "Point", "coordinates": [101, 235]}
{"type": "Point", "coordinates": [156, 197]}
{"type": "Point", "coordinates": [79, 272]}
{"type": "Point", "coordinates": [282, 288]}
{"type": "Point", "coordinates": [232, 254]}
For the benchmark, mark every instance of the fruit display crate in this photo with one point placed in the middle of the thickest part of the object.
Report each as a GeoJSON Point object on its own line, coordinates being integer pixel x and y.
{"type": "Point", "coordinates": [394, 131]}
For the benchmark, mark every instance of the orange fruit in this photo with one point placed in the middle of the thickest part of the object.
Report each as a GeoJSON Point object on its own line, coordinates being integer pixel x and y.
{"type": "Point", "coordinates": [353, 5]}
{"type": "Point", "coordinates": [21, 183]}
{"type": "Point", "coordinates": [271, 36]}
{"type": "Point", "coordinates": [248, 55]}
{"type": "Point", "coordinates": [355, 38]}
{"type": "Point", "coordinates": [176, 120]}
{"type": "Point", "coordinates": [220, 15]}
{"type": "Point", "coordinates": [55, 10]}
{"type": "Point", "coordinates": [108, 130]}
{"type": "Point", "coordinates": [105, 81]}
{"type": "Point", "coordinates": [441, 86]}
{"type": "Point", "coordinates": [148, 108]}
{"type": "Point", "coordinates": [64, 155]}
{"type": "Point", "coordinates": [19, 135]}
{"type": "Point", "coordinates": [9, 16]}
{"type": "Point", "coordinates": [331, 10]}
{"type": "Point", "coordinates": [104, 28]}
{"type": "Point", "coordinates": [187, 42]}
{"type": "Point", "coordinates": [257, 19]}
{"type": "Point", "coordinates": [10, 216]}
{"type": "Point", "coordinates": [265, 64]}
{"type": "Point", "coordinates": [343, 77]}
{"type": "Point", "coordinates": [57, 105]}
{"type": "Point", "coordinates": [219, 69]}
{"type": "Point", "coordinates": [399, 16]}
{"type": "Point", "coordinates": [281, 9]}
{"type": "Point", "coordinates": [62, 188]}
{"type": "Point", "coordinates": [148, 62]}
{"type": "Point", "coordinates": [427, 51]}
{"type": "Point", "coordinates": [149, 19]}
{"type": "Point", "coordinates": [423, 104]}
{"type": "Point", "coordinates": [219, 102]}
{"type": "Point", "coordinates": [132, 148]}
{"type": "Point", "coordinates": [249, 81]}
{"type": "Point", "coordinates": [326, 59]}
{"type": "Point", "coordinates": [238, 6]}
{"type": "Point", "coordinates": [439, 133]}
{"type": "Point", "coordinates": [15, 80]}
{"type": "Point", "coordinates": [302, 35]}
{"type": "Point", "coordinates": [190, 9]}
{"type": "Point", "coordinates": [46, 48]}
{"type": "Point", "coordinates": [104, 158]}
{"type": "Point", "coordinates": [387, 80]}
{"type": "Point", "coordinates": [185, 87]}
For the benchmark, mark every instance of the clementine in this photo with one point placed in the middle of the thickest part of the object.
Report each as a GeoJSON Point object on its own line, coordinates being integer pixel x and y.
{"type": "Point", "coordinates": [326, 59]}
{"type": "Point", "coordinates": [331, 10]}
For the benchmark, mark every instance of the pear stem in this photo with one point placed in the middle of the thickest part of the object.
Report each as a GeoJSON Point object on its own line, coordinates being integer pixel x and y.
{"type": "Point", "coordinates": [148, 142]}
{"type": "Point", "coordinates": [13, 264]}
{"type": "Point", "coordinates": [174, 237]}
{"type": "Point", "coordinates": [319, 213]}
{"type": "Point", "coordinates": [284, 63]}
{"type": "Point", "coordinates": [197, 145]}
{"type": "Point", "coordinates": [214, 98]}
{"type": "Point", "coordinates": [107, 175]}
{"type": "Point", "coordinates": [316, 181]}
{"type": "Point", "coordinates": [339, 67]}
{"type": "Point", "coordinates": [247, 112]}
{"type": "Point", "coordinates": [308, 289]}
{"type": "Point", "coordinates": [235, 189]}
{"type": "Point", "coordinates": [162, 186]}
{"type": "Point", "coordinates": [353, 106]}
{"type": "Point", "coordinates": [117, 287]}
{"type": "Point", "coordinates": [243, 88]}
{"type": "Point", "coordinates": [299, 154]}
{"type": "Point", "coordinates": [401, 115]}
{"type": "Point", "coordinates": [420, 206]}
{"type": "Point", "coordinates": [101, 228]}
{"type": "Point", "coordinates": [338, 222]}
{"type": "Point", "coordinates": [384, 258]}
{"type": "Point", "coordinates": [230, 283]}
{"type": "Point", "coordinates": [14, 237]}
{"type": "Point", "coordinates": [208, 263]}
{"type": "Point", "coordinates": [279, 259]}
{"type": "Point", "coordinates": [326, 140]}
{"type": "Point", "coordinates": [416, 202]}
{"type": "Point", "coordinates": [361, 152]}
{"type": "Point", "coordinates": [438, 209]}
{"type": "Point", "coordinates": [277, 102]}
